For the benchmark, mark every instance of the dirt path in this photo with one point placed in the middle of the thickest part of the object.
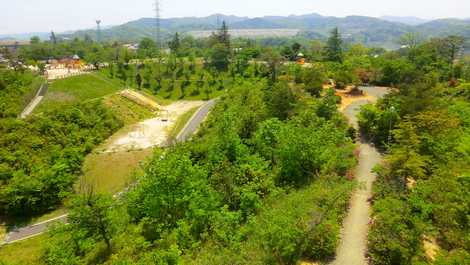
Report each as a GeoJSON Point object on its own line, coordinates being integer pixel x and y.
{"type": "Point", "coordinates": [151, 132]}
{"type": "Point", "coordinates": [35, 101]}
{"type": "Point", "coordinates": [353, 245]}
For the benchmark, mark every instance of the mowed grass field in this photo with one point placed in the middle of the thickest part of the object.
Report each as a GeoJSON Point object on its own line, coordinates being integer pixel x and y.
{"type": "Point", "coordinates": [79, 89]}
{"type": "Point", "coordinates": [27, 252]}
{"type": "Point", "coordinates": [111, 173]}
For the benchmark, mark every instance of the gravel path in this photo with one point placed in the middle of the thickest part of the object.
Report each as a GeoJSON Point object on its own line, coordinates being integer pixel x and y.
{"type": "Point", "coordinates": [353, 245]}
{"type": "Point", "coordinates": [35, 102]}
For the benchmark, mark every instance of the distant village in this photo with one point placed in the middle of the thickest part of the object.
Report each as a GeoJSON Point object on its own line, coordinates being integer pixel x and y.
{"type": "Point", "coordinates": [53, 68]}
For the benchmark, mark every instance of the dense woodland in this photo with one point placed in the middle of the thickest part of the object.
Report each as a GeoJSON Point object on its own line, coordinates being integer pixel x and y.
{"type": "Point", "coordinates": [423, 187]}
{"type": "Point", "coordinates": [268, 177]}
{"type": "Point", "coordinates": [42, 156]}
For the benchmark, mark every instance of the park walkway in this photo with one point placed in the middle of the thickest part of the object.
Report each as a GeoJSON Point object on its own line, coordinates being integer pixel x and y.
{"type": "Point", "coordinates": [353, 246]}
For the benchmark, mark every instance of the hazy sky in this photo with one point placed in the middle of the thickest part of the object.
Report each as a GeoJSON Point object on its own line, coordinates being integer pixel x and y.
{"type": "Point", "coordinates": [19, 16]}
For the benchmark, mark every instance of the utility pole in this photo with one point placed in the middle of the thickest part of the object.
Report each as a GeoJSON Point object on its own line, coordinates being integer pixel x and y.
{"type": "Point", "coordinates": [157, 25]}
{"type": "Point", "coordinates": [392, 111]}
{"type": "Point", "coordinates": [98, 31]}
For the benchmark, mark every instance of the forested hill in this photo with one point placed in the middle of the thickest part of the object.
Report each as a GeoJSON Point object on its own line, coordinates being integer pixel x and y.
{"type": "Point", "coordinates": [367, 30]}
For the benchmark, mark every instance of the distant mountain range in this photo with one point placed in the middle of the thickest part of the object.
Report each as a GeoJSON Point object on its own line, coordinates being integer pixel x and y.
{"type": "Point", "coordinates": [370, 31]}
{"type": "Point", "coordinates": [413, 21]}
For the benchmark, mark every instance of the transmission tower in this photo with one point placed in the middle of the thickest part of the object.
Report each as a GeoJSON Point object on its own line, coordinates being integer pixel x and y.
{"type": "Point", "coordinates": [157, 24]}
{"type": "Point", "coordinates": [98, 30]}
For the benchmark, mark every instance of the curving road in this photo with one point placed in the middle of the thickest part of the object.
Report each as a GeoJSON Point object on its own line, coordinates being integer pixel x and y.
{"type": "Point", "coordinates": [353, 245]}
{"type": "Point", "coordinates": [195, 121]}
{"type": "Point", "coordinates": [37, 229]}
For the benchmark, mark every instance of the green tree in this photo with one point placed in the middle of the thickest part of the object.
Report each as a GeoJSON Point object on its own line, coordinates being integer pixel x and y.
{"type": "Point", "coordinates": [147, 48]}
{"type": "Point", "coordinates": [219, 57]}
{"type": "Point", "coordinates": [274, 59]}
{"type": "Point", "coordinates": [53, 38]}
{"type": "Point", "coordinates": [223, 36]}
{"type": "Point", "coordinates": [281, 100]}
{"type": "Point", "coordinates": [95, 216]}
{"type": "Point", "coordinates": [175, 44]}
{"type": "Point", "coordinates": [138, 80]}
{"type": "Point", "coordinates": [313, 79]}
{"type": "Point", "coordinates": [334, 47]}
{"type": "Point", "coordinates": [411, 40]}
{"type": "Point", "coordinates": [173, 189]}
{"type": "Point", "coordinates": [35, 40]}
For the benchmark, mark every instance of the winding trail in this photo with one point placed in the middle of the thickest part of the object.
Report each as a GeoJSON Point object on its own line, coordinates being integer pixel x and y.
{"type": "Point", "coordinates": [353, 245]}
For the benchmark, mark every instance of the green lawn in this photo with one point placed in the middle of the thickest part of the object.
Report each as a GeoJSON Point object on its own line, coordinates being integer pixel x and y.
{"type": "Point", "coordinates": [112, 172]}
{"type": "Point", "coordinates": [78, 89]}
{"type": "Point", "coordinates": [24, 252]}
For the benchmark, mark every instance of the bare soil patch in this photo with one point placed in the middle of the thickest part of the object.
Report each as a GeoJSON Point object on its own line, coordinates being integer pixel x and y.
{"type": "Point", "coordinates": [151, 132]}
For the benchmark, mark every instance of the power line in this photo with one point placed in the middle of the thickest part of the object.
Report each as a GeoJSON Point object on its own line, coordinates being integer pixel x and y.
{"type": "Point", "coordinates": [157, 24]}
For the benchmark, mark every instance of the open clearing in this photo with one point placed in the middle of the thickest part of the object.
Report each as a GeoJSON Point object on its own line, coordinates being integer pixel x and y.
{"type": "Point", "coordinates": [78, 89]}
{"type": "Point", "coordinates": [151, 132]}
{"type": "Point", "coordinates": [112, 172]}
{"type": "Point", "coordinates": [23, 252]}
{"type": "Point", "coordinates": [111, 167]}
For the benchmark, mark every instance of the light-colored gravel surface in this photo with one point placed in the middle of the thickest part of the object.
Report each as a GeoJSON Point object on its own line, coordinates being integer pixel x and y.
{"type": "Point", "coordinates": [353, 245]}
{"type": "Point", "coordinates": [151, 132]}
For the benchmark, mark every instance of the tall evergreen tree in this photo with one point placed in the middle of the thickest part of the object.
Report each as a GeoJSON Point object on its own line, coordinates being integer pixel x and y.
{"type": "Point", "coordinates": [334, 49]}
{"type": "Point", "coordinates": [223, 36]}
{"type": "Point", "coordinates": [220, 54]}
{"type": "Point", "coordinates": [175, 44]}
{"type": "Point", "coordinates": [53, 38]}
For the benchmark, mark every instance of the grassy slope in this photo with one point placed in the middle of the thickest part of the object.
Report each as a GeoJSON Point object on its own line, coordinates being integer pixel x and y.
{"type": "Point", "coordinates": [127, 111]}
{"type": "Point", "coordinates": [23, 252]}
{"type": "Point", "coordinates": [73, 90]}
{"type": "Point", "coordinates": [123, 164]}
{"type": "Point", "coordinates": [112, 172]}
{"type": "Point", "coordinates": [33, 88]}
{"type": "Point", "coordinates": [181, 122]}
{"type": "Point", "coordinates": [78, 89]}
{"type": "Point", "coordinates": [15, 99]}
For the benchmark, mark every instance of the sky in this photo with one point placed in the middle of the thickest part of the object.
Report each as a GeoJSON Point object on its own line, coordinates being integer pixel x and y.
{"type": "Point", "coordinates": [20, 16]}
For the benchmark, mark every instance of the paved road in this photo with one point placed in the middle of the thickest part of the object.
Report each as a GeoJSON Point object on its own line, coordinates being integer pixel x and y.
{"type": "Point", "coordinates": [33, 230]}
{"type": "Point", "coordinates": [353, 245]}
{"type": "Point", "coordinates": [195, 121]}
{"type": "Point", "coordinates": [35, 102]}
{"type": "Point", "coordinates": [185, 134]}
